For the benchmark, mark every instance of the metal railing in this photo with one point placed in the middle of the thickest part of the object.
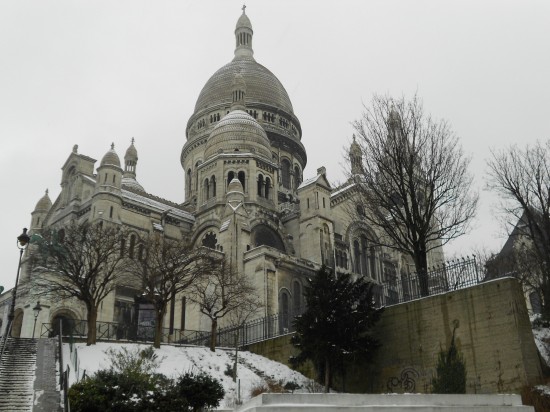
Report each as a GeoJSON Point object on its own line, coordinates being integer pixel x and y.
{"type": "Point", "coordinates": [449, 276]}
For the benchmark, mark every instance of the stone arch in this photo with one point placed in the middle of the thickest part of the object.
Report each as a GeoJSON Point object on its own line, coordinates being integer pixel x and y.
{"type": "Point", "coordinates": [262, 234]}
{"type": "Point", "coordinates": [68, 321]}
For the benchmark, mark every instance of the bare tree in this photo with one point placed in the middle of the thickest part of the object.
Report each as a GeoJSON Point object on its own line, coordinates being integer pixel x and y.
{"type": "Point", "coordinates": [238, 318]}
{"type": "Point", "coordinates": [413, 179]}
{"type": "Point", "coordinates": [81, 261]}
{"type": "Point", "coordinates": [522, 178]}
{"type": "Point", "coordinates": [163, 268]}
{"type": "Point", "coordinates": [223, 291]}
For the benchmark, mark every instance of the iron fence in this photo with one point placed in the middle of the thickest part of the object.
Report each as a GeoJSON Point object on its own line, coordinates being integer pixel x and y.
{"type": "Point", "coordinates": [449, 276]}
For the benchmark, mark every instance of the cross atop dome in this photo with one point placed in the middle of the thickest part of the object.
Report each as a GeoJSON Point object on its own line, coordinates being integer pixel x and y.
{"type": "Point", "coordinates": [243, 8]}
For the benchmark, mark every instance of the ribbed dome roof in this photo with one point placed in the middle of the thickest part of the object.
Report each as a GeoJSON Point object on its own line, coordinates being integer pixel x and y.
{"type": "Point", "coordinates": [261, 86]}
{"type": "Point", "coordinates": [131, 183]}
{"type": "Point", "coordinates": [238, 132]}
{"type": "Point", "coordinates": [111, 158]}
{"type": "Point", "coordinates": [44, 204]}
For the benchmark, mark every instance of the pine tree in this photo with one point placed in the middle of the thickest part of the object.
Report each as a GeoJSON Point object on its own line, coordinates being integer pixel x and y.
{"type": "Point", "coordinates": [451, 371]}
{"type": "Point", "coordinates": [336, 326]}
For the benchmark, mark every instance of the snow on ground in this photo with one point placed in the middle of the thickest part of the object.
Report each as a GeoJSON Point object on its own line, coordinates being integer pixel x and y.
{"type": "Point", "coordinates": [542, 340]}
{"type": "Point", "coordinates": [253, 370]}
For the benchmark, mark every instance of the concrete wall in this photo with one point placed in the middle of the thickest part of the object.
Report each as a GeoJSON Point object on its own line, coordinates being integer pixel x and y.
{"type": "Point", "coordinates": [493, 334]}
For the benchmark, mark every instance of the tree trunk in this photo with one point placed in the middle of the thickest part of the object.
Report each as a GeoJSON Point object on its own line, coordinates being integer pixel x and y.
{"type": "Point", "coordinates": [159, 320]}
{"type": "Point", "coordinates": [92, 319]}
{"type": "Point", "coordinates": [421, 266]}
{"type": "Point", "coordinates": [213, 330]}
{"type": "Point", "coordinates": [327, 376]}
{"type": "Point", "coordinates": [236, 354]}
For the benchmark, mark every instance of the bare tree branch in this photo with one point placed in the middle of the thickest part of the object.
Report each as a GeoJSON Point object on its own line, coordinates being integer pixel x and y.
{"type": "Point", "coordinates": [414, 183]}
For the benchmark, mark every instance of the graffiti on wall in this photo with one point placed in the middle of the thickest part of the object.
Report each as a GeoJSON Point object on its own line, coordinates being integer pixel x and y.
{"type": "Point", "coordinates": [405, 382]}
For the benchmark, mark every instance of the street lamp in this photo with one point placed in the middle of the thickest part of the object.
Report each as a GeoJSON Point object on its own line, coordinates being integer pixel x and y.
{"type": "Point", "coordinates": [36, 310]}
{"type": "Point", "coordinates": [22, 242]}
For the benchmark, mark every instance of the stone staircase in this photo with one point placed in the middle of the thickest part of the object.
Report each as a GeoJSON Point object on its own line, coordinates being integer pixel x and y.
{"type": "Point", "coordinates": [17, 372]}
{"type": "Point", "coordinates": [28, 376]}
{"type": "Point", "coordinates": [306, 402]}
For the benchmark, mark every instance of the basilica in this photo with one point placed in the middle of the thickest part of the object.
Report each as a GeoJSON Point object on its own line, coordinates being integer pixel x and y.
{"type": "Point", "coordinates": [245, 196]}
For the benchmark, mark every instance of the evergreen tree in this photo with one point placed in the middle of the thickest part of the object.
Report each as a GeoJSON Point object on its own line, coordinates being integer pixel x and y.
{"type": "Point", "coordinates": [337, 323]}
{"type": "Point", "coordinates": [451, 371]}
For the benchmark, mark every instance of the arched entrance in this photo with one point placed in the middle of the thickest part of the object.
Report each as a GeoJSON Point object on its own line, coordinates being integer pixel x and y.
{"type": "Point", "coordinates": [17, 323]}
{"type": "Point", "coordinates": [64, 319]}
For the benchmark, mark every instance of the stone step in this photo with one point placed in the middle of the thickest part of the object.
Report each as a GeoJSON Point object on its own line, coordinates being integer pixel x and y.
{"type": "Point", "coordinates": [384, 403]}
{"type": "Point", "coordinates": [17, 375]}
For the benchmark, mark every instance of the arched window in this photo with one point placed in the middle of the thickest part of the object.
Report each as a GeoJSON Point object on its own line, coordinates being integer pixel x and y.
{"type": "Point", "coordinates": [230, 177]}
{"type": "Point", "coordinates": [122, 247]}
{"type": "Point", "coordinates": [356, 257]}
{"type": "Point", "coordinates": [285, 173]}
{"type": "Point", "coordinates": [267, 187]}
{"type": "Point", "coordinates": [345, 263]}
{"type": "Point", "coordinates": [188, 181]}
{"type": "Point", "coordinates": [372, 262]}
{"type": "Point", "coordinates": [206, 189]}
{"type": "Point", "coordinates": [132, 245]}
{"type": "Point", "coordinates": [297, 177]}
{"type": "Point", "coordinates": [197, 175]}
{"type": "Point", "coordinates": [284, 310]}
{"type": "Point", "coordinates": [210, 240]}
{"type": "Point", "coordinates": [213, 185]}
{"type": "Point", "coordinates": [241, 177]}
{"type": "Point", "coordinates": [260, 185]}
{"type": "Point", "coordinates": [364, 253]}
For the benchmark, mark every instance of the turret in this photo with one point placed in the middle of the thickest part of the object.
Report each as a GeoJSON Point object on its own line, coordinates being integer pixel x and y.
{"type": "Point", "coordinates": [40, 212]}
{"type": "Point", "coordinates": [107, 197]}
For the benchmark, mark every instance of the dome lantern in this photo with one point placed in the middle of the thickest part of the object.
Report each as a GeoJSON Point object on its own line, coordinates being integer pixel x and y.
{"type": "Point", "coordinates": [243, 37]}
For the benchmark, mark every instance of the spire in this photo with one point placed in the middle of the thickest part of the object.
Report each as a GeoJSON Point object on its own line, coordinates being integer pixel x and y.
{"type": "Point", "coordinates": [130, 160]}
{"type": "Point", "coordinates": [243, 37]}
{"type": "Point", "coordinates": [238, 93]}
{"type": "Point", "coordinates": [356, 158]}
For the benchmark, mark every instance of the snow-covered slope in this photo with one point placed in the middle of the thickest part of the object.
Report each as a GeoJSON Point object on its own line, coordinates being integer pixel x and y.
{"type": "Point", "coordinates": [253, 370]}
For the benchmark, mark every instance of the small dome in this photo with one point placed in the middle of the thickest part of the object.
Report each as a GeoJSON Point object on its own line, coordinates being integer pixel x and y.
{"type": "Point", "coordinates": [243, 22]}
{"type": "Point", "coordinates": [238, 132]}
{"type": "Point", "coordinates": [111, 158]}
{"type": "Point", "coordinates": [44, 204]}
{"type": "Point", "coordinates": [131, 152]}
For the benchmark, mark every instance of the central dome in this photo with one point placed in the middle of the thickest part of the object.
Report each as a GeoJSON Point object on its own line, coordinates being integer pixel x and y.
{"type": "Point", "coordinates": [261, 86]}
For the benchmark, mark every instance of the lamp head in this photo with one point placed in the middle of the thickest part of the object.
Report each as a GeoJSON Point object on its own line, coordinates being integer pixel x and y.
{"type": "Point", "coordinates": [23, 239]}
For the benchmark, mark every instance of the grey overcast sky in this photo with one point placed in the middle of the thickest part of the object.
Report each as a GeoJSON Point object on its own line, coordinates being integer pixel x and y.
{"type": "Point", "coordinates": [95, 72]}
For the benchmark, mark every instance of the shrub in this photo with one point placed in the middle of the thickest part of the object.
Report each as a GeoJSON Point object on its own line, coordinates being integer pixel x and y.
{"type": "Point", "coordinates": [200, 391]}
{"type": "Point", "coordinates": [130, 385]}
{"type": "Point", "coordinates": [451, 371]}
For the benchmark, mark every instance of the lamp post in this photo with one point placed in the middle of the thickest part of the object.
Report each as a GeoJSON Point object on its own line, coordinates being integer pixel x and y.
{"type": "Point", "coordinates": [22, 242]}
{"type": "Point", "coordinates": [36, 310]}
